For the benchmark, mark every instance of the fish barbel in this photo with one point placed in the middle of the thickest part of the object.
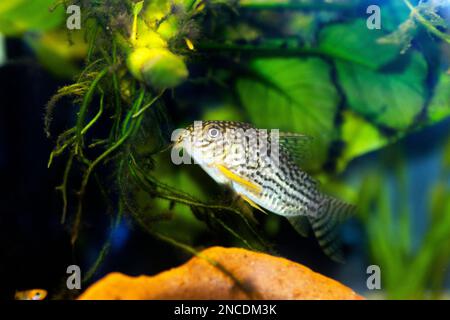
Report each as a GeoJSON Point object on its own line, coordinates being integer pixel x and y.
{"type": "Point", "coordinates": [263, 169]}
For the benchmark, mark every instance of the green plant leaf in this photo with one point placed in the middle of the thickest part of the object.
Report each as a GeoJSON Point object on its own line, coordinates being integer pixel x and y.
{"type": "Point", "coordinates": [360, 137]}
{"type": "Point", "coordinates": [439, 107]}
{"type": "Point", "coordinates": [351, 42]}
{"type": "Point", "coordinates": [56, 54]}
{"type": "Point", "coordinates": [137, 7]}
{"type": "Point", "coordinates": [389, 99]}
{"type": "Point", "coordinates": [223, 111]}
{"type": "Point", "coordinates": [19, 16]}
{"type": "Point", "coordinates": [292, 95]}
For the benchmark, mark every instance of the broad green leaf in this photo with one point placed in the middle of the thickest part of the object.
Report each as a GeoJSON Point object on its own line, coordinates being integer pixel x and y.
{"type": "Point", "coordinates": [390, 99]}
{"type": "Point", "coordinates": [55, 52]}
{"type": "Point", "coordinates": [359, 136]}
{"type": "Point", "coordinates": [393, 13]}
{"type": "Point", "coordinates": [19, 16]}
{"type": "Point", "coordinates": [137, 7]}
{"type": "Point", "coordinates": [157, 67]}
{"type": "Point", "coordinates": [223, 112]}
{"type": "Point", "coordinates": [156, 10]}
{"type": "Point", "coordinates": [354, 42]}
{"type": "Point", "coordinates": [294, 95]}
{"type": "Point", "coordinates": [439, 107]}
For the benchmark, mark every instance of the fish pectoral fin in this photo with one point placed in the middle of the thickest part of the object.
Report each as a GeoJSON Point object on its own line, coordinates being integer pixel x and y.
{"type": "Point", "coordinates": [253, 204]}
{"type": "Point", "coordinates": [248, 185]}
{"type": "Point", "coordinates": [253, 187]}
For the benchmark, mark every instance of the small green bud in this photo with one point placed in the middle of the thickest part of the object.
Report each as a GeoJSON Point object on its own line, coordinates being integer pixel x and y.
{"type": "Point", "coordinates": [157, 67]}
{"type": "Point", "coordinates": [169, 28]}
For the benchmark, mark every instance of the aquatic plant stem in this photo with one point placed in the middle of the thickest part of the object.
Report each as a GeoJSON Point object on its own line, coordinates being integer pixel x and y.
{"type": "Point", "coordinates": [63, 187]}
{"type": "Point", "coordinates": [117, 99]}
{"type": "Point", "coordinates": [97, 116]}
{"type": "Point", "coordinates": [290, 5]}
{"type": "Point", "coordinates": [73, 89]}
{"type": "Point", "coordinates": [426, 23]}
{"type": "Point", "coordinates": [268, 50]}
{"type": "Point", "coordinates": [191, 202]}
{"type": "Point", "coordinates": [148, 105]}
{"type": "Point", "coordinates": [91, 42]}
{"type": "Point", "coordinates": [83, 110]}
{"type": "Point", "coordinates": [94, 163]}
{"type": "Point", "coordinates": [106, 246]}
{"type": "Point", "coordinates": [87, 68]}
{"type": "Point", "coordinates": [262, 49]}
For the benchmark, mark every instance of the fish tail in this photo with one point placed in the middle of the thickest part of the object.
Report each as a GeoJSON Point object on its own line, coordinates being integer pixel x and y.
{"type": "Point", "coordinates": [331, 213]}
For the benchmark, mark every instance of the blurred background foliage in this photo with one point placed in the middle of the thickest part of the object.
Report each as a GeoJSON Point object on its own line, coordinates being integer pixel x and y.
{"type": "Point", "coordinates": [413, 268]}
{"type": "Point", "coordinates": [138, 69]}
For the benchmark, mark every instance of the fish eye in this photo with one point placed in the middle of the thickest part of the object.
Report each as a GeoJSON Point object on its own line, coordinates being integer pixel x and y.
{"type": "Point", "coordinates": [213, 133]}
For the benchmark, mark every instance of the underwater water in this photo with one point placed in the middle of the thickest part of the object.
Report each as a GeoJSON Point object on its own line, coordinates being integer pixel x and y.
{"type": "Point", "coordinates": [90, 100]}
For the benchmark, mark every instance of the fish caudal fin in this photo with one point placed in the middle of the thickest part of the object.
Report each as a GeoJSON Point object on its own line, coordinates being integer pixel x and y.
{"type": "Point", "coordinates": [332, 212]}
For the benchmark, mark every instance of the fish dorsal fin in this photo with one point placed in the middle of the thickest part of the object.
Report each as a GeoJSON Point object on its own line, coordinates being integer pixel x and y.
{"type": "Point", "coordinates": [298, 146]}
{"type": "Point", "coordinates": [325, 225]}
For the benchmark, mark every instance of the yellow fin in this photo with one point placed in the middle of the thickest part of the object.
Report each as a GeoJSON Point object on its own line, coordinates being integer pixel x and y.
{"type": "Point", "coordinates": [254, 205]}
{"type": "Point", "coordinates": [189, 44]}
{"type": "Point", "coordinates": [234, 177]}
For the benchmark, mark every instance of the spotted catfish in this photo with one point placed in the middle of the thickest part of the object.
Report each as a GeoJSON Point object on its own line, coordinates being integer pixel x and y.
{"type": "Point", "coordinates": [263, 169]}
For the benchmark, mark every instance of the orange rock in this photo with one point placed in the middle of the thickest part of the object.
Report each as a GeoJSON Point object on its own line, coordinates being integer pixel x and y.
{"type": "Point", "coordinates": [261, 276]}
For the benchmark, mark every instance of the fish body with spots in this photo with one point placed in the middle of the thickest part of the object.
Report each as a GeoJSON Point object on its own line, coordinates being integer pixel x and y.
{"type": "Point", "coordinates": [262, 168]}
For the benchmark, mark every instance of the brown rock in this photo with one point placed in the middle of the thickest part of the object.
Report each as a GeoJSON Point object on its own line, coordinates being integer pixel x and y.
{"type": "Point", "coordinates": [261, 276]}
